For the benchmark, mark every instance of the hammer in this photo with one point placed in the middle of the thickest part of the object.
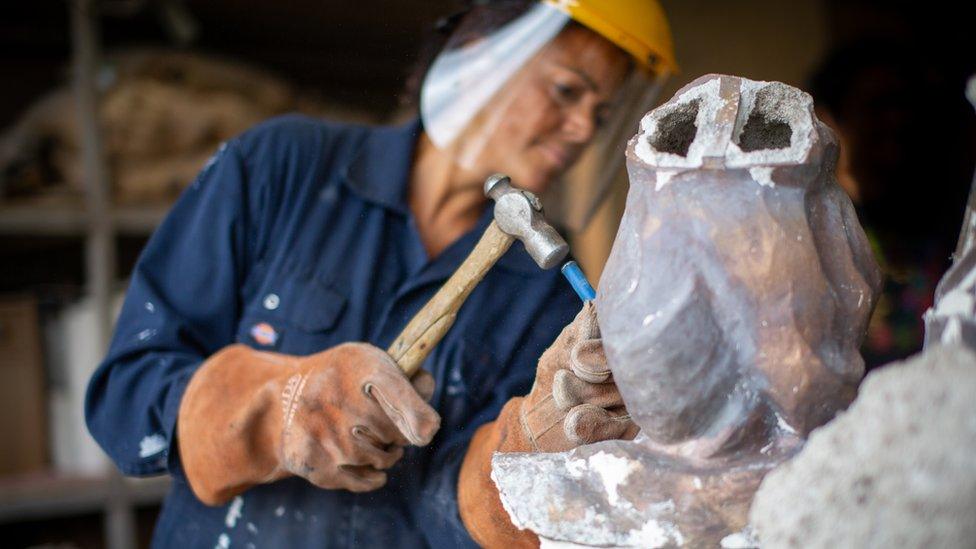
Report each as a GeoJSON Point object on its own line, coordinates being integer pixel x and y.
{"type": "Point", "coordinates": [518, 214]}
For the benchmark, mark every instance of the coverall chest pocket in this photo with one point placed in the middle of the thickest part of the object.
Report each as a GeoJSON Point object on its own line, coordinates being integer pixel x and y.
{"type": "Point", "coordinates": [293, 314]}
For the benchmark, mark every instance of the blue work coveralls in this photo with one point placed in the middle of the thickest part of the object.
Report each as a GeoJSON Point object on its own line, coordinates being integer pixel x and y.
{"type": "Point", "coordinates": [296, 237]}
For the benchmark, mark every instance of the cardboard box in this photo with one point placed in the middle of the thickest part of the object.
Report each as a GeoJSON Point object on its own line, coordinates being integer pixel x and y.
{"type": "Point", "coordinates": [23, 420]}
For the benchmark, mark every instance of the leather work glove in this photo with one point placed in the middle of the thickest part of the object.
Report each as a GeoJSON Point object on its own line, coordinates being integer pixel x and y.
{"type": "Point", "coordinates": [572, 402]}
{"type": "Point", "coordinates": [337, 418]}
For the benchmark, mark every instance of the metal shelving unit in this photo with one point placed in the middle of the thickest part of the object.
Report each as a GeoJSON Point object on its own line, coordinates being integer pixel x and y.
{"type": "Point", "coordinates": [43, 496]}
{"type": "Point", "coordinates": [50, 495]}
{"type": "Point", "coordinates": [99, 238]}
{"type": "Point", "coordinates": [65, 220]}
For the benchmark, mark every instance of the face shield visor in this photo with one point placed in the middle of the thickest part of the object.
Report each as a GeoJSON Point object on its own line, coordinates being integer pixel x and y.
{"type": "Point", "coordinates": [546, 99]}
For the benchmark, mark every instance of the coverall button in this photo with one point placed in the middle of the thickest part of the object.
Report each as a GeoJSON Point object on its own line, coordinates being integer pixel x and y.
{"type": "Point", "coordinates": [271, 302]}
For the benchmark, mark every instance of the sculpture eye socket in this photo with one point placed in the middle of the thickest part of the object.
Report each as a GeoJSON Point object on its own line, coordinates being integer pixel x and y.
{"type": "Point", "coordinates": [761, 132]}
{"type": "Point", "coordinates": [677, 130]}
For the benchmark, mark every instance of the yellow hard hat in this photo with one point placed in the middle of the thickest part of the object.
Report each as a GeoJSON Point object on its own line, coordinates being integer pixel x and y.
{"type": "Point", "coordinates": [638, 27]}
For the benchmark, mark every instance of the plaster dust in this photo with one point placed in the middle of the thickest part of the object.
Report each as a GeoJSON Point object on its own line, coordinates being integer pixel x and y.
{"type": "Point", "coordinates": [151, 445]}
{"type": "Point", "coordinates": [234, 512]}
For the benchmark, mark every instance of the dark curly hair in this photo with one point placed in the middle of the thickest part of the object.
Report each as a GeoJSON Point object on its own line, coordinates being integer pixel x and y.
{"type": "Point", "coordinates": [474, 19]}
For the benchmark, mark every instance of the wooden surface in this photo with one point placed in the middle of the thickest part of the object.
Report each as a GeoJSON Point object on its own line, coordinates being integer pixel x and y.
{"type": "Point", "coordinates": [23, 417]}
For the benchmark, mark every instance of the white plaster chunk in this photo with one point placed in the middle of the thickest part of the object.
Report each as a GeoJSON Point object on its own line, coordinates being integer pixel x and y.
{"type": "Point", "coordinates": [663, 178]}
{"type": "Point", "coordinates": [898, 469]}
{"type": "Point", "coordinates": [745, 539]}
{"type": "Point", "coordinates": [656, 534]}
{"type": "Point", "coordinates": [763, 175]}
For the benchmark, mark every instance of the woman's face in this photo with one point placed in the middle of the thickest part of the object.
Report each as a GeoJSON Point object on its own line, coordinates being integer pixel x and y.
{"type": "Point", "coordinates": [540, 122]}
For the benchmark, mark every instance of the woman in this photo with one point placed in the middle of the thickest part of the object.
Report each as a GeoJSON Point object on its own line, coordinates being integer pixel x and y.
{"type": "Point", "coordinates": [247, 359]}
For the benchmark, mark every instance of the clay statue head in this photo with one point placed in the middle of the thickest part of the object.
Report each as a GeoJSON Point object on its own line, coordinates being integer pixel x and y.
{"type": "Point", "coordinates": [740, 283]}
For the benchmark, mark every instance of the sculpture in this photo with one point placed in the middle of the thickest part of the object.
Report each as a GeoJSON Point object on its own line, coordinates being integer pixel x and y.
{"type": "Point", "coordinates": [732, 307]}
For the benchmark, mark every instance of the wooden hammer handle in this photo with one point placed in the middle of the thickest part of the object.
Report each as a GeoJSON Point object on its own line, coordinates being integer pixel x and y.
{"type": "Point", "coordinates": [428, 326]}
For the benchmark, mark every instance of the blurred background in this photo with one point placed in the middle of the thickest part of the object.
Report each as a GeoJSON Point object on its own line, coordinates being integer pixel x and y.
{"type": "Point", "coordinates": [157, 85]}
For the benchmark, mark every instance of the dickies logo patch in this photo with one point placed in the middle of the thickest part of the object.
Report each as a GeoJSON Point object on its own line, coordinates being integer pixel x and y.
{"type": "Point", "coordinates": [264, 334]}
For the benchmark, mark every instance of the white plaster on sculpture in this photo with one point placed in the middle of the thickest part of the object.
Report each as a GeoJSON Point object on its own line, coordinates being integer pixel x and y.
{"type": "Point", "coordinates": [613, 471]}
{"type": "Point", "coordinates": [709, 104]}
{"type": "Point", "coordinates": [746, 539]}
{"type": "Point", "coordinates": [718, 136]}
{"type": "Point", "coordinates": [788, 105]}
{"type": "Point", "coordinates": [763, 175]}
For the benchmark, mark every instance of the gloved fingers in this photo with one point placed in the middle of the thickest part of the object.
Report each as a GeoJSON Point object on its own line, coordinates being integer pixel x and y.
{"type": "Point", "coordinates": [383, 430]}
{"type": "Point", "coordinates": [381, 433]}
{"type": "Point", "coordinates": [424, 384]}
{"type": "Point", "coordinates": [583, 326]}
{"type": "Point", "coordinates": [620, 413]}
{"type": "Point", "coordinates": [585, 323]}
{"type": "Point", "coordinates": [589, 362]}
{"type": "Point", "coordinates": [360, 478]}
{"type": "Point", "coordinates": [305, 456]}
{"type": "Point", "coordinates": [632, 429]}
{"type": "Point", "coordinates": [349, 465]}
{"type": "Point", "coordinates": [568, 391]}
{"type": "Point", "coordinates": [384, 383]}
{"type": "Point", "coordinates": [411, 415]}
{"type": "Point", "coordinates": [587, 423]}
{"type": "Point", "coordinates": [368, 452]}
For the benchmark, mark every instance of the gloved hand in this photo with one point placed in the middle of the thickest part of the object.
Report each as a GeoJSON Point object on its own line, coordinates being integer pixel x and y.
{"type": "Point", "coordinates": [337, 418]}
{"type": "Point", "coordinates": [572, 402]}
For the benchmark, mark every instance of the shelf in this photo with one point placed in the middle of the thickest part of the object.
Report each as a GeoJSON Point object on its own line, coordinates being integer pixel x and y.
{"type": "Point", "coordinates": [46, 495]}
{"type": "Point", "coordinates": [73, 221]}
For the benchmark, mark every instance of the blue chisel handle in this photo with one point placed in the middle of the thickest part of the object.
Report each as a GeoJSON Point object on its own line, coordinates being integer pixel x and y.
{"type": "Point", "coordinates": [578, 281]}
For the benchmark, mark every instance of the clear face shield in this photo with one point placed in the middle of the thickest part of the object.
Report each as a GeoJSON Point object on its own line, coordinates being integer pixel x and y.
{"type": "Point", "coordinates": [543, 99]}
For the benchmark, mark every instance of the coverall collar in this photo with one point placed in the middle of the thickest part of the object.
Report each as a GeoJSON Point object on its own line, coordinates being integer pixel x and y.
{"type": "Point", "coordinates": [380, 171]}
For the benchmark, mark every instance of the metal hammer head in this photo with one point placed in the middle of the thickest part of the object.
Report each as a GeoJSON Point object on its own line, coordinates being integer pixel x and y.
{"type": "Point", "coordinates": [519, 213]}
